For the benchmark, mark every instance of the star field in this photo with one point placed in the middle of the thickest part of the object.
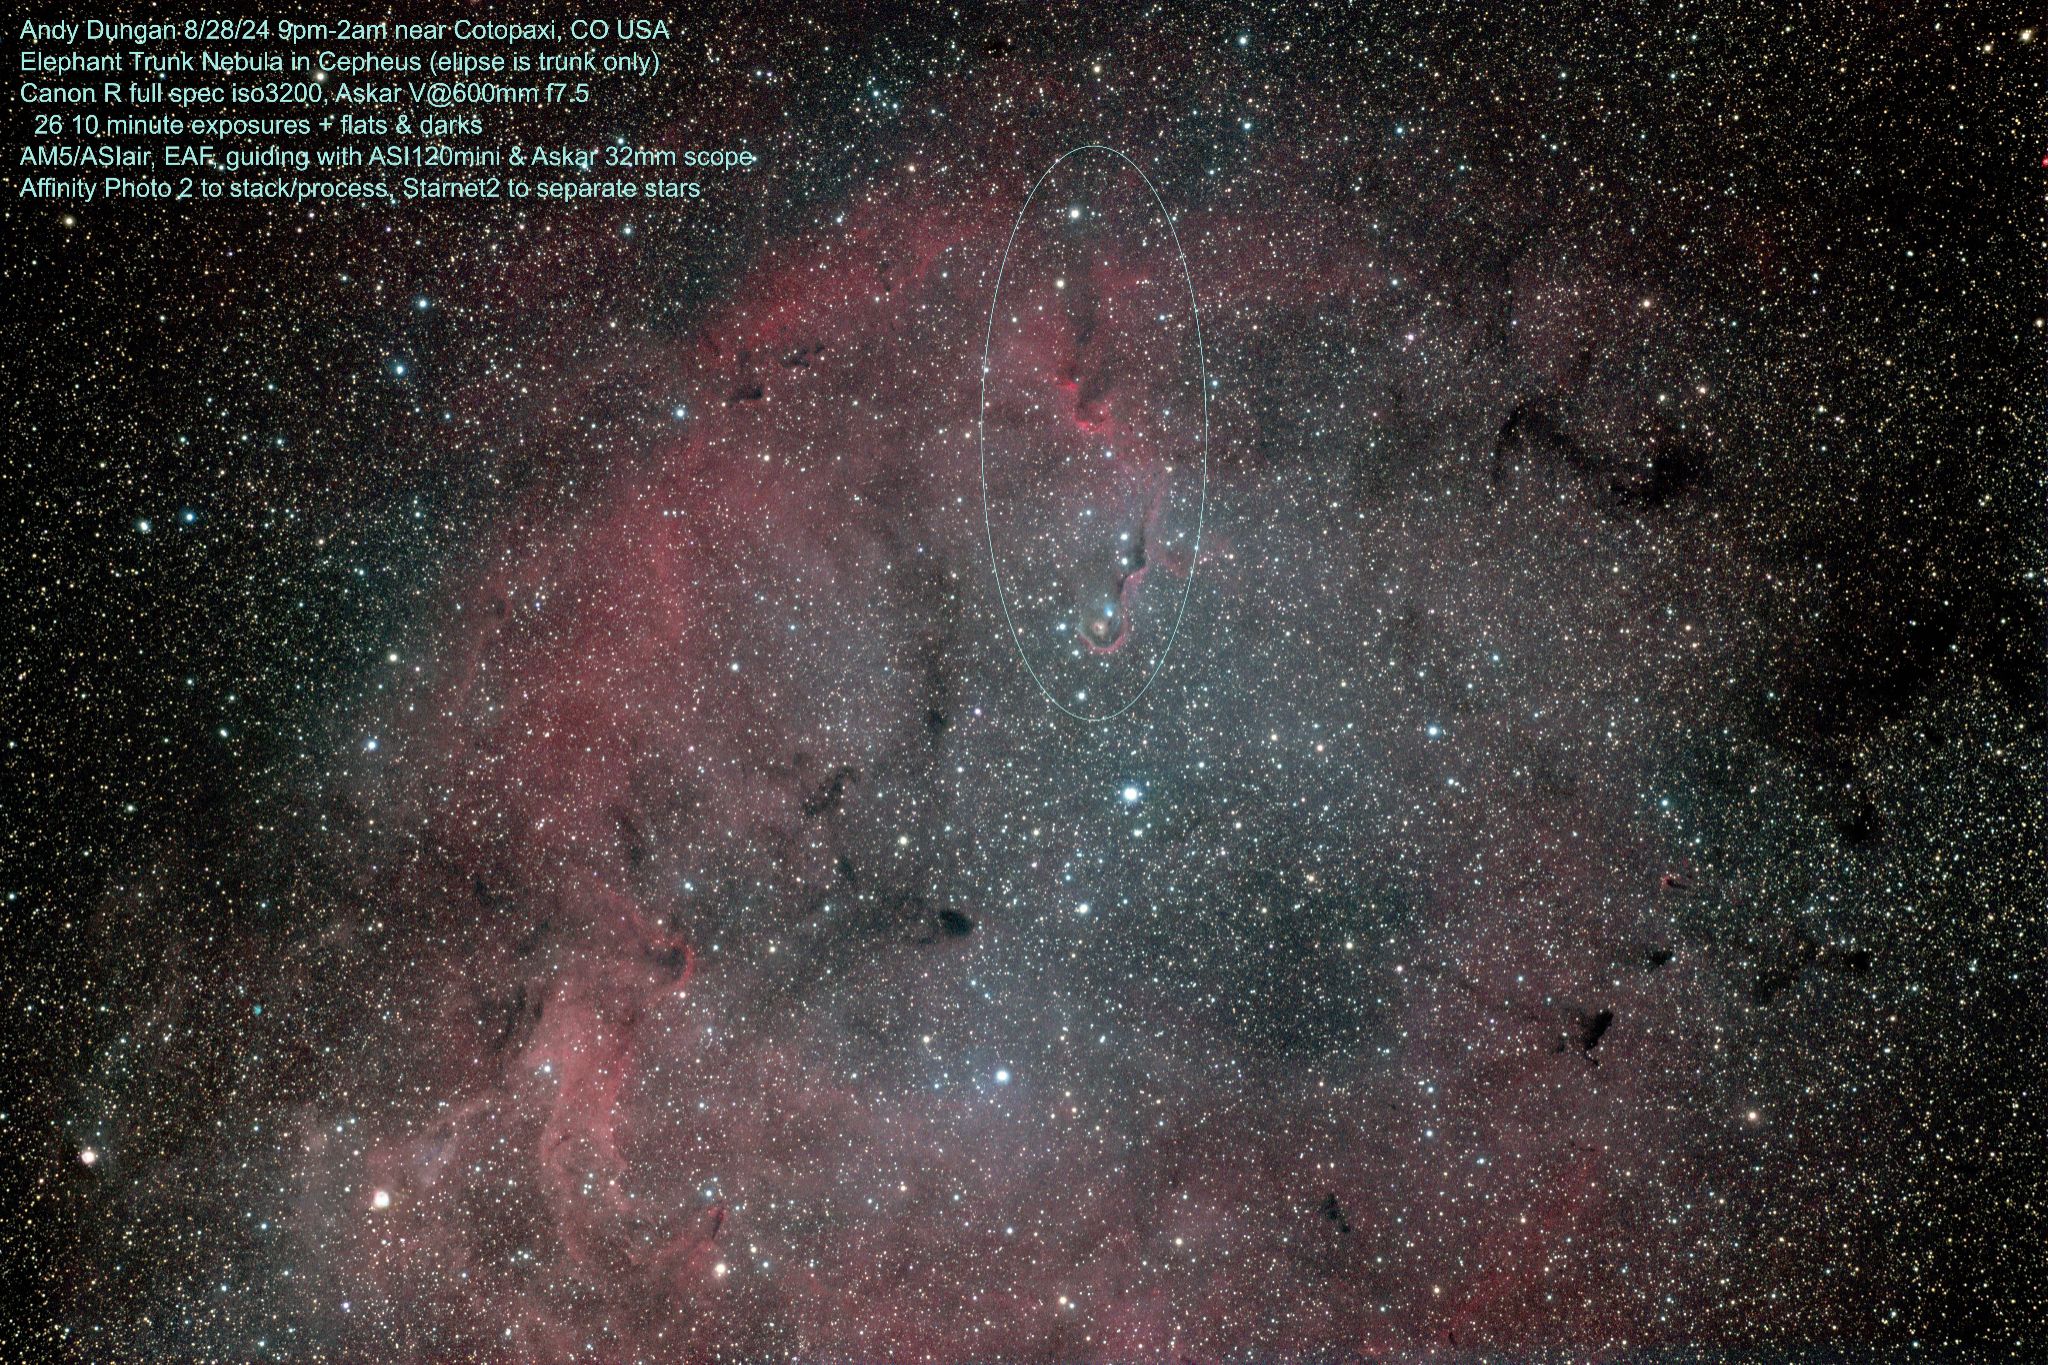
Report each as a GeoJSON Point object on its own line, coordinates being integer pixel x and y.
{"type": "Point", "coordinates": [530, 834]}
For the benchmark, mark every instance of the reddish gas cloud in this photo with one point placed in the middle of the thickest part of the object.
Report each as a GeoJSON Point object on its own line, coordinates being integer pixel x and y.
{"type": "Point", "coordinates": [686, 1063]}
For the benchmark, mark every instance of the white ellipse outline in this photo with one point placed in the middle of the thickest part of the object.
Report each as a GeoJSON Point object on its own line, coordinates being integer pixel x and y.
{"type": "Point", "coordinates": [981, 438]}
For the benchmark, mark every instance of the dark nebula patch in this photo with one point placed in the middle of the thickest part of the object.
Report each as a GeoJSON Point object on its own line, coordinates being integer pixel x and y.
{"type": "Point", "coordinates": [1592, 1028]}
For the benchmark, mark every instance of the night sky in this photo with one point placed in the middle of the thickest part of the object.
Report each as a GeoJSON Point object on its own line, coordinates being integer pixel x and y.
{"type": "Point", "coordinates": [1424, 741]}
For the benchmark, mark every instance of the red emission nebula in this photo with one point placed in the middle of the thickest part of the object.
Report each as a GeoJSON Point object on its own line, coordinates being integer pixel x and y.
{"type": "Point", "coordinates": [691, 1059]}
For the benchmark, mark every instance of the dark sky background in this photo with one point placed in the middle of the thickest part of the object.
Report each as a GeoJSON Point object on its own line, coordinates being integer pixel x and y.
{"type": "Point", "coordinates": [528, 836]}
